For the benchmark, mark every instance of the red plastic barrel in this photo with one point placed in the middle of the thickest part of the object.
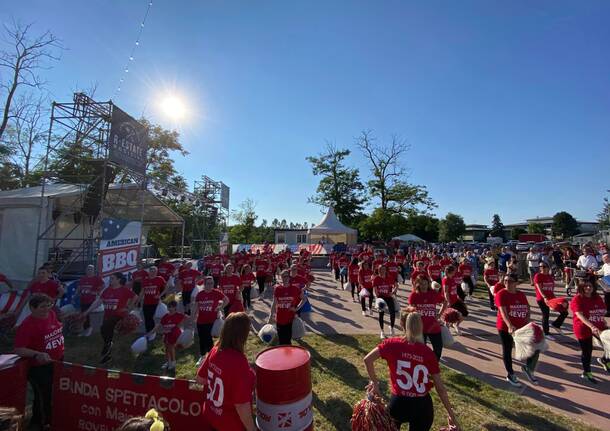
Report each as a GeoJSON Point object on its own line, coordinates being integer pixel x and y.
{"type": "Point", "coordinates": [283, 389]}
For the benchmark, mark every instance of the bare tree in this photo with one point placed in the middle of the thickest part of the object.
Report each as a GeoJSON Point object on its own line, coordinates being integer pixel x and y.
{"type": "Point", "coordinates": [21, 63]}
{"type": "Point", "coordinates": [385, 164]}
{"type": "Point", "coordinates": [389, 176]}
{"type": "Point", "coordinates": [26, 131]}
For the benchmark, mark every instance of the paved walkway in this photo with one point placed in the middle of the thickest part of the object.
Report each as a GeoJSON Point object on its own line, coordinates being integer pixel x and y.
{"type": "Point", "coordinates": [478, 352]}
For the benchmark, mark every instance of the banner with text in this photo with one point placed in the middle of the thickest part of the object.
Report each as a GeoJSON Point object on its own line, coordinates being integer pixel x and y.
{"type": "Point", "coordinates": [128, 142]}
{"type": "Point", "coordinates": [94, 399]}
{"type": "Point", "coordinates": [120, 246]}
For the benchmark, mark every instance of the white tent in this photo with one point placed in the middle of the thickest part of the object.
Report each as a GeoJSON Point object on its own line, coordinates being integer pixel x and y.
{"type": "Point", "coordinates": [331, 231]}
{"type": "Point", "coordinates": [408, 238]}
{"type": "Point", "coordinates": [21, 210]}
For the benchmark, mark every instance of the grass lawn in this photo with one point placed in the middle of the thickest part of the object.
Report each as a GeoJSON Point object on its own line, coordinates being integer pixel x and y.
{"type": "Point", "coordinates": [338, 377]}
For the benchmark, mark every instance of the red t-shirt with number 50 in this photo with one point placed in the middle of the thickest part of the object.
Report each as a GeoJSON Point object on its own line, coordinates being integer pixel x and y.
{"type": "Point", "coordinates": [411, 366]}
{"type": "Point", "coordinates": [227, 380]}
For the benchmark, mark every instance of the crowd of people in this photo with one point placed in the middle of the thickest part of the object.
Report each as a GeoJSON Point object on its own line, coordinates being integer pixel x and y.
{"type": "Point", "coordinates": [442, 281]}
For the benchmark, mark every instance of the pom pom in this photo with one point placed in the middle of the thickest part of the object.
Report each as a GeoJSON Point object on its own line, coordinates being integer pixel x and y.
{"type": "Point", "coordinates": [558, 304]}
{"type": "Point", "coordinates": [186, 339]}
{"type": "Point", "coordinates": [528, 340]}
{"type": "Point", "coordinates": [298, 328]}
{"type": "Point", "coordinates": [448, 339]}
{"type": "Point", "coordinates": [139, 346]}
{"type": "Point", "coordinates": [364, 293]}
{"type": "Point", "coordinates": [129, 323]}
{"type": "Point", "coordinates": [451, 316]}
{"type": "Point", "coordinates": [436, 286]}
{"type": "Point", "coordinates": [160, 311]}
{"type": "Point", "coordinates": [381, 304]}
{"type": "Point", "coordinates": [217, 327]}
{"type": "Point", "coordinates": [371, 414]}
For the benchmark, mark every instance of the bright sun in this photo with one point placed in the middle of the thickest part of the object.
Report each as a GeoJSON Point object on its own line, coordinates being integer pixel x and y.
{"type": "Point", "coordinates": [173, 107]}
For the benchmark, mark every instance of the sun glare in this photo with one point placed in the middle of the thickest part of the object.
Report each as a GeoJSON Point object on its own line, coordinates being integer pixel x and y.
{"type": "Point", "coordinates": [173, 107]}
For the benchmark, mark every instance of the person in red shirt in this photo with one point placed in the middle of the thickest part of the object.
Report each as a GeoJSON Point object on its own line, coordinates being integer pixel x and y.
{"type": "Point", "coordinates": [419, 270]}
{"type": "Point", "coordinates": [434, 270]}
{"type": "Point", "coordinates": [491, 277]}
{"type": "Point", "coordinates": [187, 278]}
{"type": "Point", "coordinates": [401, 259]}
{"type": "Point", "coordinates": [392, 269]}
{"type": "Point", "coordinates": [44, 284]}
{"type": "Point", "coordinates": [466, 269]}
{"type": "Point", "coordinates": [287, 299]}
{"type": "Point", "coordinates": [230, 285]}
{"type": "Point", "coordinates": [589, 311]}
{"type": "Point", "coordinates": [352, 273]}
{"type": "Point", "coordinates": [384, 288]}
{"type": "Point", "coordinates": [89, 288]}
{"type": "Point", "coordinates": [513, 313]}
{"type": "Point", "coordinates": [544, 283]}
{"type": "Point", "coordinates": [450, 292]}
{"type": "Point", "coordinates": [227, 379]}
{"type": "Point", "coordinates": [261, 273]}
{"type": "Point", "coordinates": [40, 339]}
{"type": "Point", "coordinates": [117, 300]}
{"type": "Point", "coordinates": [343, 264]}
{"type": "Point", "coordinates": [137, 277]}
{"type": "Point", "coordinates": [414, 371]}
{"type": "Point", "coordinates": [446, 261]}
{"type": "Point", "coordinates": [170, 326]}
{"type": "Point", "coordinates": [365, 281]}
{"type": "Point", "coordinates": [153, 288]}
{"type": "Point", "coordinates": [424, 300]}
{"type": "Point", "coordinates": [166, 269]}
{"type": "Point", "coordinates": [247, 280]}
{"type": "Point", "coordinates": [215, 270]}
{"type": "Point", "coordinates": [204, 310]}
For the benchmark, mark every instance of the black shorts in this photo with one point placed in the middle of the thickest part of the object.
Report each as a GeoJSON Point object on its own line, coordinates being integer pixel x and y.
{"type": "Point", "coordinates": [461, 307]}
{"type": "Point", "coordinates": [418, 412]}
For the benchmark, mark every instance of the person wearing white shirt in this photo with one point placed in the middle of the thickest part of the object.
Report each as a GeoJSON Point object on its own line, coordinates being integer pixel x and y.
{"type": "Point", "coordinates": [605, 282]}
{"type": "Point", "coordinates": [533, 264]}
{"type": "Point", "coordinates": [587, 261]}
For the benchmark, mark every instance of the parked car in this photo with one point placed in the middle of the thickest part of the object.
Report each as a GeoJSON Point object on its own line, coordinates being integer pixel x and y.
{"type": "Point", "coordinates": [522, 246]}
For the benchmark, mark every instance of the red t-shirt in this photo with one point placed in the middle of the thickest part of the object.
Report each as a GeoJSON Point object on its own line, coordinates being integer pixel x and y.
{"type": "Point", "coordinates": [546, 282]}
{"type": "Point", "coordinates": [383, 286]}
{"type": "Point", "coordinates": [228, 380]}
{"type": "Point", "coordinates": [246, 280]}
{"type": "Point", "coordinates": [411, 365]}
{"type": "Point", "coordinates": [516, 309]}
{"type": "Point", "coordinates": [400, 258]}
{"type": "Point", "coordinates": [445, 262]}
{"type": "Point", "coordinates": [343, 261]}
{"type": "Point", "coordinates": [491, 275]}
{"type": "Point", "coordinates": [417, 273]}
{"type": "Point", "coordinates": [498, 287]}
{"type": "Point", "coordinates": [152, 289]}
{"type": "Point", "coordinates": [171, 326]}
{"type": "Point", "coordinates": [286, 297]}
{"type": "Point", "coordinates": [434, 271]}
{"type": "Point", "coordinates": [216, 269]}
{"type": "Point", "coordinates": [458, 278]}
{"type": "Point", "coordinates": [298, 281]}
{"type": "Point", "coordinates": [139, 275]}
{"type": "Point", "coordinates": [353, 271]}
{"type": "Point", "coordinates": [49, 288]}
{"type": "Point", "coordinates": [365, 278]}
{"type": "Point", "coordinates": [229, 286]}
{"type": "Point", "coordinates": [450, 288]}
{"type": "Point", "coordinates": [42, 335]}
{"type": "Point", "coordinates": [425, 303]}
{"type": "Point", "coordinates": [187, 279]}
{"type": "Point", "coordinates": [377, 263]}
{"type": "Point", "coordinates": [115, 300]}
{"type": "Point", "coordinates": [261, 268]}
{"type": "Point", "coordinates": [465, 269]}
{"type": "Point", "coordinates": [207, 303]}
{"type": "Point", "coordinates": [592, 308]}
{"type": "Point", "coordinates": [90, 288]}
{"type": "Point", "coordinates": [392, 268]}
{"type": "Point", "coordinates": [166, 270]}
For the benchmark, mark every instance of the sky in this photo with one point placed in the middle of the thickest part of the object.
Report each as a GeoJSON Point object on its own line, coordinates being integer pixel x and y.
{"type": "Point", "coordinates": [505, 105]}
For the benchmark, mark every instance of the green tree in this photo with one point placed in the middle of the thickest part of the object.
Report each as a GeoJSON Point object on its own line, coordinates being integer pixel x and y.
{"type": "Point", "coordinates": [451, 228]}
{"type": "Point", "coordinates": [536, 228]}
{"type": "Point", "coordinates": [515, 232]}
{"type": "Point", "coordinates": [497, 228]}
{"type": "Point", "coordinates": [603, 218]}
{"type": "Point", "coordinates": [424, 226]}
{"type": "Point", "coordinates": [564, 225]}
{"type": "Point", "coordinates": [244, 230]}
{"type": "Point", "coordinates": [340, 186]}
{"type": "Point", "coordinates": [389, 177]}
{"type": "Point", "coordinates": [382, 225]}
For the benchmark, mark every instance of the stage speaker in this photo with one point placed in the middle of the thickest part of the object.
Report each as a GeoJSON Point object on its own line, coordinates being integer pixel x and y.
{"type": "Point", "coordinates": [98, 189]}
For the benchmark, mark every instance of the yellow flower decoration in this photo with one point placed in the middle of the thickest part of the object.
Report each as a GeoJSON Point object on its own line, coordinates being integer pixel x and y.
{"type": "Point", "coordinates": [157, 425]}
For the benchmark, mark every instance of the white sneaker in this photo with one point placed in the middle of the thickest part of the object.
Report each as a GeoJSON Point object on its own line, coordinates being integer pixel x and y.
{"type": "Point", "coordinates": [364, 313]}
{"type": "Point", "coordinates": [382, 335]}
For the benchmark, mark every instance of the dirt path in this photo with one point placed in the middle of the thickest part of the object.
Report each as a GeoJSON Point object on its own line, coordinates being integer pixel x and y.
{"type": "Point", "coordinates": [479, 352]}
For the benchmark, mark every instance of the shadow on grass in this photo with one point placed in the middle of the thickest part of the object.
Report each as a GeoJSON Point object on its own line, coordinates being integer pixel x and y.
{"type": "Point", "coordinates": [334, 410]}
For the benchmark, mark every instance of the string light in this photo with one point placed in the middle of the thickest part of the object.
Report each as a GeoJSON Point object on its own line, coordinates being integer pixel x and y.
{"type": "Point", "coordinates": [133, 49]}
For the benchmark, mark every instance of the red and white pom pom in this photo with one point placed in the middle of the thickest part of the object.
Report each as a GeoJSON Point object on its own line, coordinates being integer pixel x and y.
{"type": "Point", "coordinates": [528, 340]}
{"type": "Point", "coordinates": [451, 316]}
{"type": "Point", "coordinates": [370, 414]}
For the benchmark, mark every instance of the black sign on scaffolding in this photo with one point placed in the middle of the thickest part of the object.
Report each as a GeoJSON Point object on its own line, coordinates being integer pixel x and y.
{"type": "Point", "coordinates": [127, 142]}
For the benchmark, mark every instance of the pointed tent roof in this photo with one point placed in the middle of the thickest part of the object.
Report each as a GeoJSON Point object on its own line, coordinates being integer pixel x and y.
{"type": "Point", "coordinates": [408, 237]}
{"type": "Point", "coordinates": [330, 224]}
